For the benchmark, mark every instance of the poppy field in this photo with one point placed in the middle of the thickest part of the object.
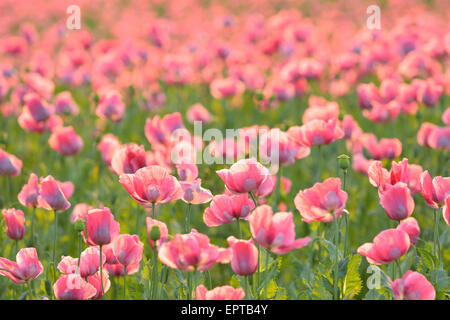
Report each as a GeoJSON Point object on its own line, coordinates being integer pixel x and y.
{"type": "Point", "coordinates": [224, 150]}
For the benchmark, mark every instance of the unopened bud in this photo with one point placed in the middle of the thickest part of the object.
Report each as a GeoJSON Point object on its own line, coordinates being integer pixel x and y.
{"type": "Point", "coordinates": [344, 161]}
{"type": "Point", "coordinates": [79, 225]}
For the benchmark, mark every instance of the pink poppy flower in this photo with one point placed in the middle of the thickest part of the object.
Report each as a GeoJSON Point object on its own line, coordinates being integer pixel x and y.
{"type": "Point", "coordinates": [226, 208]}
{"type": "Point", "coordinates": [101, 227]}
{"type": "Point", "coordinates": [286, 184]}
{"type": "Point", "coordinates": [80, 211]}
{"type": "Point", "coordinates": [110, 105]}
{"type": "Point", "coordinates": [316, 132]}
{"type": "Point", "coordinates": [152, 184]}
{"type": "Point", "coordinates": [439, 138]}
{"type": "Point", "coordinates": [198, 112]}
{"type": "Point", "coordinates": [388, 246]}
{"type": "Point", "coordinates": [227, 149]}
{"type": "Point", "coordinates": [193, 192]}
{"type": "Point", "coordinates": [65, 141]}
{"type": "Point", "coordinates": [164, 233]}
{"type": "Point", "coordinates": [68, 265]}
{"type": "Point", "coordinates": [95, 281]}
{"type": "Point", "coordinates": [187, 171]}
{"type": "Point", "coordinates": [27, 123]}
{"type": "Point", "coordinates": [129, 158]}
{"type": "Point", "coordinates": [219, 293]}
{"type": "Point", "coordinates": [429, 92]}
{"type": "Point", "coordinates": [107, 146]}
{"type": "Point", "coordinates": [38, 109]}
{"type": "Point", "coordinates": [434, 191]}
{"type": "Point", "coordinates": [244, 259]}
{"type": "Point", "coordinates": [367, 92]}
{"type": "Point", "coordinates": [278, 147]}
{"type": "Point", "coordinates": [446, 210]}
{"type": "Point", "coordinates": [423, 135]}
{"type": "Point", "coordinates": [350, 127]}
{"type": "Point", "coordinates": [64, 104]}
{"type": "Point", "coordinates": [28, 195]}
{"type": "Point", "coordinates": [407, 173]}
{"type": "Point", "coordinates": [118, 270]}
{"type": "Point", "coordinates": [413, 286]}
{"type": "Point", "coordinates": [397, 201]}
{"type": "Point", "coordinates": [27, 268]}
{"type": "Point", "coordinates": [227, 87]}
{"type": "Point", "coordinates": [320, 109]}
{"type": "Point", "coordinates": [52, 195]}
{"type": "Point", "coordinates": [159, 131]}
{"type": "Point", "coordinates": [127, 249]}
{"type": "Point", "coordinates": [248, 175]}
{"type": "Point", "coordinates": [318, 202]}
{"type": "Point", "coordinates": [275, 231]}
{"type": "Point", "coordinates": [9, 165]}
{"type": "Point", "coordinates": [37, 83]}
{"type": "Point", "coordinates": [15, 223]}
{"type": "Point", "coordinates": [189, 252]}
{"type": "Point", "coordinates": [446, 116]}
{"type": "Point", "coordinates": [411, 227]}
{"type": "Point", "coordinates": [384, 149]}
{"type": "Point", "coordinates": [73, 287]}
{"type": "Point", "coordinates": [90, 261]}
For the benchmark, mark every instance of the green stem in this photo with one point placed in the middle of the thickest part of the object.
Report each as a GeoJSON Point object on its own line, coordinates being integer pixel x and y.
{"type": "Point", "coordinates": [399, 268]}
{"type": "Point", "coordinates": [79, 250]}
{"type": "Point", "coordinates": [101, 270]}
{"type": "Point", "coordinates": [278, 189]}
{"type": "Point", "coordinates": [154, 273]}
{"type": "Point", "coordinates": [55, 235]}
{"type": "Point", "coordinates": [29, 290]}
{"type": "Point", "coordinates": [189, 295]}
{"type": "Point", "coordinates": [319, 165]}
{"type": "Point", "coordinates": [187, 223]}
{"type": "Point", "coordinates": [346, 220]}
{"type": "Point", "coordinates": [153, 210]}
{"type": "Point", "coordinates": [267, 270]}
{"type": "Point", "coordinates": [238, 221]}
{"type": "Point", "coordinates": [336, 265]}
{"type": "Point", "coordinates": [254, 199]}
{"type": "Point", "coordinates": [124, 282]}
{"type": "Point", "coordinates": [32, 226]}
{"type": "Point", "coordinates": [437, 245]}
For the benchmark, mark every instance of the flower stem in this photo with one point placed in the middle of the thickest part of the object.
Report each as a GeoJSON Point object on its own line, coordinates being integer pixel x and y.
{"type": "Point", "coordinates": [336, 265]}
{"type": "Point", "coordinates": [346, 220]}
{"type": "Point", "coordinates": [79, 250]}
{"type": "Point", "coordinates": [153, 210]}
{"type": "Point", "coordinates": [238, 222]}
{"type": "Point", "coordinates": [437, 245]}
{"type": "Point", "coordinates": [399, 268]}
{"type": "Point", "coordinates": [254, 199]}
{"type": "Point", "coordinates": [30, 291]}
{"type": "Point", "coordinates": [154, 273]}
{"type": "Point", "coordinates": [124, 282]}
{"type": "Point", "coordinates": [101, 270]}
{"type": "Point", "coordinates": [32, 226]}
{"type": "Point", "coordinates": [55, 235]}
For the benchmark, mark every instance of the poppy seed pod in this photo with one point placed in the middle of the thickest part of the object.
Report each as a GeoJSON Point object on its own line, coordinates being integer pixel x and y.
{"type": "Point", "coordinates": [344, 161]}
{"type": "Point", "coordinates": [155, 233]}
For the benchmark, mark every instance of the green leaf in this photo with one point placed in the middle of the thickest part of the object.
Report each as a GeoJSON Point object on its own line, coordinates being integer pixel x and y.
{"type": "Point", "coordinates": [352, 281]}
{"type": "Point", "coordinates": [426, 258]}
{"type": "Point", "coordinates": [235, 282]}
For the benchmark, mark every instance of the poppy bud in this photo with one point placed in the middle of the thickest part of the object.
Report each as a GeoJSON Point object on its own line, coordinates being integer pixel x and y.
{"type": "Point", "coordinates": [344, 161]}
{"type": "Point", "coordinates": [79, 225]}
{"type": "Point", "coordinates": [155, 233]}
